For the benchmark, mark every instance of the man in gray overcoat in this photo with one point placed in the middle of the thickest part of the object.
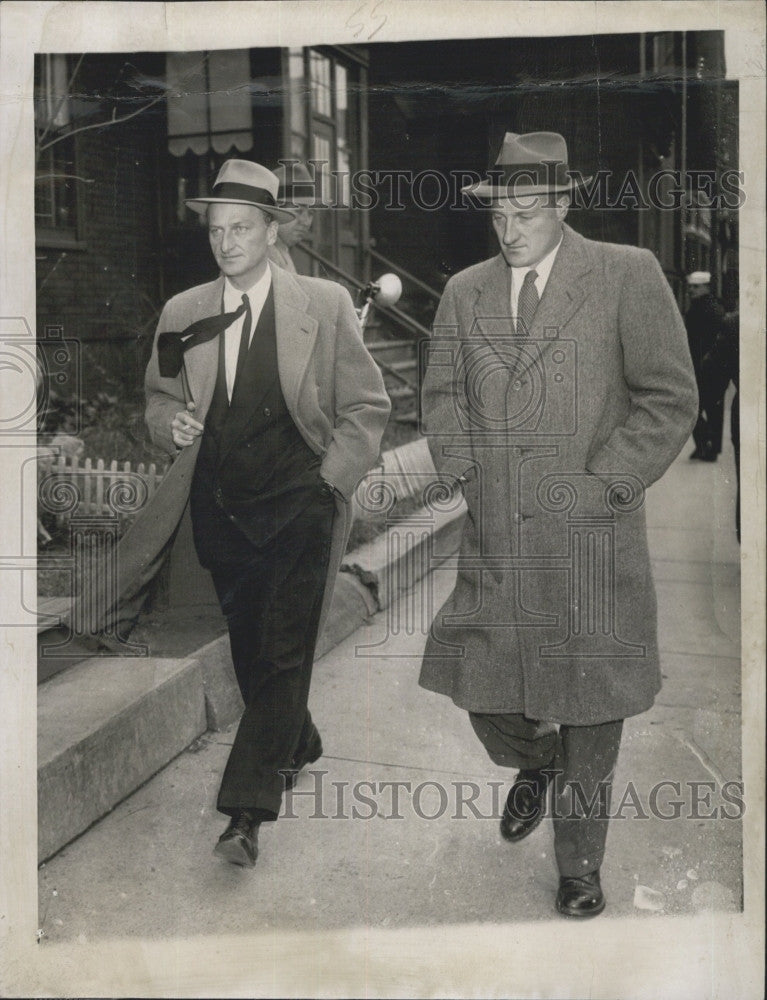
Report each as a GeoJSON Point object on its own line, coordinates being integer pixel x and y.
{"type": "Point", "coordinates": [558, 388]}
{"type": "Point", "coordinates": [260, 385]}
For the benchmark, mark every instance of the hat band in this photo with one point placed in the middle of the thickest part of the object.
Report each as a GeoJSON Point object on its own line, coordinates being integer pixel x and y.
{"type": "Point", "coordinates": [299, 190]}
{"type": "Point", "coordinates": [243, 192]}
{"type": "Point", "coordinates": [549, 173]}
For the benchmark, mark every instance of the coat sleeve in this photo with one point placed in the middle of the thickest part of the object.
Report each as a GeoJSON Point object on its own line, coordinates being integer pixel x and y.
{"type": "Point", "coordinates": [658, 372]}
{"type": "Point", "coordinates": [361, 405]}
{"type": "Point", "coordinates": [164, 396]}
{"type": "Point", "coordinates": [440, 389]}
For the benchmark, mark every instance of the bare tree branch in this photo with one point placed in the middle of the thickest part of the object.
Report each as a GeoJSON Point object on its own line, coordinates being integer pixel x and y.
{"type": "Point", "coordinates": [103, 124]}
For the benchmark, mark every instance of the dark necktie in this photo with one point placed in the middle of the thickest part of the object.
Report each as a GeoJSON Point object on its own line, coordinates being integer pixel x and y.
{"type": "Point", "coordinates": [527, 304]}
{"type": "Point", "coordinates": [171, 346]}
{"type": "Point", "coordinates": [244, 340]}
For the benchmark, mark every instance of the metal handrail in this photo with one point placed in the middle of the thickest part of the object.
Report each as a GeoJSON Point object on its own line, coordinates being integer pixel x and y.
{"type": "Point", "coordinates": [405, 274]}
{"type": "Point", "coordinates": [390, 311]}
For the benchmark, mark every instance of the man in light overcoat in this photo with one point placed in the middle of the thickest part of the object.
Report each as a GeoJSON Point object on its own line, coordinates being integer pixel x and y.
{"type": "Point", "coordinates": [558, 388]}
{"type": "Point", "coordinates": [260, 386]}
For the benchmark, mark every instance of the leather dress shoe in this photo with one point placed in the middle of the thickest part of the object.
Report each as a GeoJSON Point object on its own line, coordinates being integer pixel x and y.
{"type": "Point", "coordinates": [525, 805]}
{"type": "Point", "coordinates": [580, 897]}
{"type": "Point", "coordinates": [238, 844]}
{"type": "Point", "coordinates": [307, 754]}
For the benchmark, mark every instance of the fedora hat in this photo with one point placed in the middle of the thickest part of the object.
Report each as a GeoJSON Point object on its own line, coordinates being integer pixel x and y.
{"type": "Point", "coordinates": [296, 183]}
{"type": "Point", "coordinates": [532, 163]}
{"type": "Point", "coordinates": [242, 182]}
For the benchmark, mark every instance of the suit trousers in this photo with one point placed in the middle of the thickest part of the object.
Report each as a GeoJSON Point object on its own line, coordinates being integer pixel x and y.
{"type": "Point", "coordinates": [581, 760]}
{"type": "Point", "coordinates": [271, 597]}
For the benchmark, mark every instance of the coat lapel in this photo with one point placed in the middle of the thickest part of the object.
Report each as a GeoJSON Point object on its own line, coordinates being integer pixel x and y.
{"type": "Point", "coordinates": [296, 333]}
{"type": "Point", "coordinates": [563, 295]}
{"type": "Point", "coordinates": [561, 300]}
{"type": "Point", "coordinates": [492, 306]}
{"type": "Point", "coordinates": [201, 362]}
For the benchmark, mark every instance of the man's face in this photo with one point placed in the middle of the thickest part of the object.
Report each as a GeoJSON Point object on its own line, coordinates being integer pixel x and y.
{"type": "Point", "coordinates": [528, 228]}
{"type": "Point", "coordinates": [697, 291]}
{"type": "Point", "coordinates": [298, 229]}
{"type": "Point", "coordinates": [240, 236]}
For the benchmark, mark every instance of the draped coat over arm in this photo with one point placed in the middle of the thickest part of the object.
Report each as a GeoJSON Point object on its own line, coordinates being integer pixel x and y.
{"type": "Point", "coordinates": [332, 388]}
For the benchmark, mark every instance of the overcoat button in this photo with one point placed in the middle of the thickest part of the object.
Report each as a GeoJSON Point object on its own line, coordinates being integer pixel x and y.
{"type": "Point", "coordinates": [267, 412]}
{"type": "Point", "coordinates": [518, 518]}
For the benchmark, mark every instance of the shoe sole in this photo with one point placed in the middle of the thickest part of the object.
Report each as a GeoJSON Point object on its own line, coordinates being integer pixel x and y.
{"type": "Point", "coordinates": [580, 914]}
{"type": "Point", "coordinates": [235, 853]}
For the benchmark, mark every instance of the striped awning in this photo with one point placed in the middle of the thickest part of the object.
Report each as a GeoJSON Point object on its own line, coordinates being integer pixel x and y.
{"type": "Point", "coordinates": [209, 105]}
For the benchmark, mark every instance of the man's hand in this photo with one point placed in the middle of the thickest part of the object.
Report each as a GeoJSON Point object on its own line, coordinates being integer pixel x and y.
{"type": "Point", "coordinates": [184, 428]}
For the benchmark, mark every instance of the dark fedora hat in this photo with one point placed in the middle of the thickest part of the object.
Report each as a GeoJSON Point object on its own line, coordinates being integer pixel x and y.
{"type": "Point", "coordinates": [528, 164]}
{"type": "Point", "coordinates": [242, 182]}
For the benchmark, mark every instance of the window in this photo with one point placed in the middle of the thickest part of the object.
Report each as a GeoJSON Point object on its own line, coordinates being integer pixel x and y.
{"type": "Point", "coordinates": [210, 117]}
{"type": "Point", "coordinates": [56, 168]}
{"type": "Point", "coordinates": [324, 123]}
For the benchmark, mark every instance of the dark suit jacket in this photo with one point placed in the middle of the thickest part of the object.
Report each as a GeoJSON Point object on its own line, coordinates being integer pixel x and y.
{"type": "Point", "coordinates": [331, 385]}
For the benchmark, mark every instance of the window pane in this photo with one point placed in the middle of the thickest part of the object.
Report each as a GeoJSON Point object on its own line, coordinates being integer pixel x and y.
{"type": "Point", "coordinates": [297, 95]}
{"type": "Point", "coordinates": [321, 96]}
{"type": "Point", "coordinates": [55, 183]}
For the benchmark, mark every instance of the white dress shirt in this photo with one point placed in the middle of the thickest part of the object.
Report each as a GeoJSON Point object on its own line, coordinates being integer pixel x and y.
{"type": "Point", "coordinates": [232, 301]}
{"type": "Point", "coordinates": [543, 270]}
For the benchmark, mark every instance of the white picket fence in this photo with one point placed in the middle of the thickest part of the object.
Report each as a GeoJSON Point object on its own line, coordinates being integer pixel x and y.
{"type": "Point", "coordinates": [92, 479]}
{"type": "Point", "coordinates": [402, 473]}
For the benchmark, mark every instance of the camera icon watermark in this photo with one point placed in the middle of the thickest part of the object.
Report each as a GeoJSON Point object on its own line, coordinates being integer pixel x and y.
{"type": "Point", "coordinates": [502, 384]}
{"type": "Point", "coordinates": [33, 368]}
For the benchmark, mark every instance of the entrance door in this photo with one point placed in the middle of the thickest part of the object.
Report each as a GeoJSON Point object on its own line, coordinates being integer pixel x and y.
{"type": "Point", "coordinates": [325, 126]}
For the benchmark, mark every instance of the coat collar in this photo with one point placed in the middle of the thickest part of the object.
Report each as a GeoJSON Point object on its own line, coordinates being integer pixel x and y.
{"type": "Point", "coordinates": [296, 332]}
{"type": "Point", "coordinates": [561, 299]}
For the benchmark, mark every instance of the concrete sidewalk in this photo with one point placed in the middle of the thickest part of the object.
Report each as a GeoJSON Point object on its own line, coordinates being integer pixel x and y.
{"type": "Point", "coordinates": [147, 869]}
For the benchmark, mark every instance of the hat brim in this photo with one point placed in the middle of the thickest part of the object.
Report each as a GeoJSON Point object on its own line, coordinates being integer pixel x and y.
{"type": "Point", "coordinates": [200, 205]}
{"type": "Point", "coordinates": [301, 200]}
{"type": "Point", "coordinates": [494, 192]}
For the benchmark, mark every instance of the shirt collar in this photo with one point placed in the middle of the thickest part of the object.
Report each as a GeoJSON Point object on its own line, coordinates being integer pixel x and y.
{"type": "Point", "coordinates": [542, 268]}
{"type": "Point", "coordinates": [256, 293]}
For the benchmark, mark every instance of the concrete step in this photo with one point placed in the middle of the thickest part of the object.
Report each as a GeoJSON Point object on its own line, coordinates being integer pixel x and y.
{"type": "Point", "coordinates": [104, 727]}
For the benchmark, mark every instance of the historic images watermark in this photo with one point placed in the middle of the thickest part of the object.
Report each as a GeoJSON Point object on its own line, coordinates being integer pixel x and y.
{"type": "Point", "coordinates": [433, 190]}
{"type": "Point", "coordinates": [459, 800]}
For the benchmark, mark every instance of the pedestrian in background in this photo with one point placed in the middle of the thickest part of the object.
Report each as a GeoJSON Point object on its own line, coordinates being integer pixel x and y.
{"type": "Point", "coordinates": [720, 367]}
{"type": "Point", "coordinates": [297, 193]}
{"type": "Point", "coordinates": [703, 321]}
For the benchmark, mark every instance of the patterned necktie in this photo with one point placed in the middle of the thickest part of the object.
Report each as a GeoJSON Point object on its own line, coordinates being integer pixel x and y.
{"type": "Point", "coordinates": [244, 340]}
{"type": "Point", "coordinates": [528, 303]}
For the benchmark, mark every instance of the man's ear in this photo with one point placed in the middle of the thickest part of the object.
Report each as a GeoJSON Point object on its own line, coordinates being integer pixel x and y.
{"type": "Point", "coordinates": [271, 232]}
{"type": "Point", "coordinates": [563, 204]}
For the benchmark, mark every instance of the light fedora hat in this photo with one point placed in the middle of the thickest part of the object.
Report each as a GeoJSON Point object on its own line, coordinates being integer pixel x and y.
{"type": "Point", "coordinates": [242, 182]}
{"type": "Point", "coordinates": [297, 184]}
{"type": "Point", "coordinates": [531, 163]}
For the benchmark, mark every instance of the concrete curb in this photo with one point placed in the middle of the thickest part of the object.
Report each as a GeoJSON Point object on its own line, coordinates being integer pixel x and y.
{"type": "Point", "coordinates": [104, 727]}
{"type": "Point", "coordinates": [108, 724]}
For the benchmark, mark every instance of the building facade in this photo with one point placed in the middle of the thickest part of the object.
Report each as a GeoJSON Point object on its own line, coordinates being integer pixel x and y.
{"type": "Point", "coordinates": [391, 128]}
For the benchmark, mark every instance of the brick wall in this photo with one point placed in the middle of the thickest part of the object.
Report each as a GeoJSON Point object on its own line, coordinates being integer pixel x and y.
{"type": "Point", "coordinates": [105, 291]}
